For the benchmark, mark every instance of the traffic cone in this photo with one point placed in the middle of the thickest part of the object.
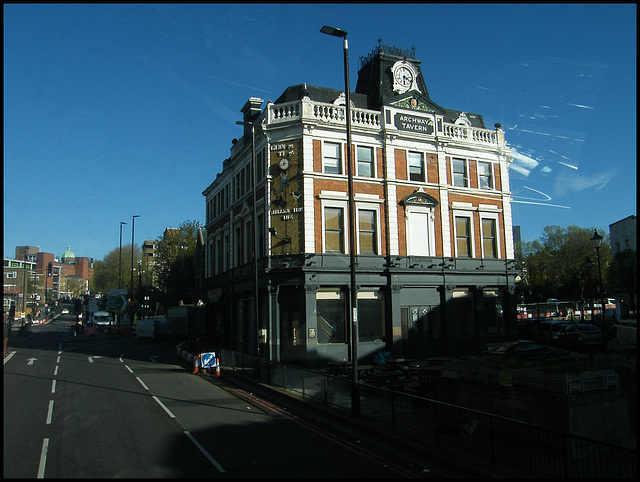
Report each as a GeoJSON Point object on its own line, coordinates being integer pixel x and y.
{"type": "Point", "coordinates": [195, 364]}
{"type": "Point", "coordinates": [217, 367]}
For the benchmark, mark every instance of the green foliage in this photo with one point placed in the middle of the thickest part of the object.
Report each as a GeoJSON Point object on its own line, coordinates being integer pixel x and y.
{"type": "Point", "coordinates": [562, 264]}
{"type": "Point", "coordinates": [106, 273]}
{"type": "Point", "coordinates": [175, 263]}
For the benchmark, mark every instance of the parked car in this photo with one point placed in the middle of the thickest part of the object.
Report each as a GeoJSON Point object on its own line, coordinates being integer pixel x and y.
{"type": "Point", "coordinates": [548, 331]}
{"type": "Point", "coordinates": [582, 336]}
{"type": "Point", "coordinates": [65, 311]}
{"type": "Point", "coordinates": [523, 349]}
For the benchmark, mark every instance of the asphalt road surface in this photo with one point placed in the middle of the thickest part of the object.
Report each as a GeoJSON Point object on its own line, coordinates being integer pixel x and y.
{"type": "Point", "coordinates": [113, 406]}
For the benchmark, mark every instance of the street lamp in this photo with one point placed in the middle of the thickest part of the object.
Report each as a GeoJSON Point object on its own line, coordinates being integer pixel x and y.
{"type": "Point", "coordinates": [596, 241]}
{"type": "Point", "coordinates": [255, 227]}
{"type": "Point", "coordinates": [133, 227]}
{"type": "Point", "coordinates": [355, 394]}
{"type": "Point", "coordinates": [120, 258]}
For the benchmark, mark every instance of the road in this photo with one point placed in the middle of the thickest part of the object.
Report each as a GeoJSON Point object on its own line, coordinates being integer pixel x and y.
{"type": "Point", "coordinates": [113, 406]}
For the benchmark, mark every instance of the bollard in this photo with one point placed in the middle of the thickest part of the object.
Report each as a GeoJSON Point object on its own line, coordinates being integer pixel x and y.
{"type": "Point", "coordinates": [217, 367]}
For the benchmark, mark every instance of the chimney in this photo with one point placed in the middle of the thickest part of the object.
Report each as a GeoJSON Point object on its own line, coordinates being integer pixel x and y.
{"type": "Point", "coordinates": [251, 111]}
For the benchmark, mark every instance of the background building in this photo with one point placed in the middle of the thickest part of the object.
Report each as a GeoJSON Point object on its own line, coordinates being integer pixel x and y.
{"type": "Point", "coordinates": [434, 240]}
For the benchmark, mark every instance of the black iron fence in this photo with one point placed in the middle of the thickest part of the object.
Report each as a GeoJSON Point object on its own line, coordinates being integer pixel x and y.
{"type": "Point", "coordinates": [531, 449]}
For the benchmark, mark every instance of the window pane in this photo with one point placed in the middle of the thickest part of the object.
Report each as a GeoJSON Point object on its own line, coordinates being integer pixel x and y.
{"type": "Point", "coordinates": [416, 166]}
{"type": "Point", "coordinates": [485, 176]}
{"type": "Point", "coordinates": [331, 317]}
{"type": "Point", "coordinates": [460, 173]}
{"type": "Point", "coordinates": [370, 316]}
{"type": "Point", "coordinates": [462, 237]}
{"type": "Point", "coordinates": [367, 231]}
{"type": "Point", "coordinates": [331, 158]}
{"type": "Point", "coordinates": [333, 230]}
{"type": "Point", "coordinates": [365, 161]}
{"type": "Point", "coordinates": [489, 238]}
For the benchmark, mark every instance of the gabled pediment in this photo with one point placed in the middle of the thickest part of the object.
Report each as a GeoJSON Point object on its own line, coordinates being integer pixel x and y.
{"type": "Point", "coordinates": [419, 198]}
{"type": "Point", "coordinates": [412, 100]}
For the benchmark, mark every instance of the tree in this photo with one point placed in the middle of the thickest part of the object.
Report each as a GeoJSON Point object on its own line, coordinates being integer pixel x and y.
{"type": "Point", "coordinates": [106, 272]}
{"type": "Point", "coordinates": [175, 263]}
{"type": "Point", "coordinates": [562, 263]}
{"type": "Point", "coordinates": [622, 276]}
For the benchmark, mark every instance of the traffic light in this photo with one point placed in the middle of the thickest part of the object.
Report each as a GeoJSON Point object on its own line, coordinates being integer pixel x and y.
{"type": "Point", "coordinates": [49, 270]}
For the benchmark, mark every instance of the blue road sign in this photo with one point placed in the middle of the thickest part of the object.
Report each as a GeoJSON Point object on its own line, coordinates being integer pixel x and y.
{"type": "Point", "coordinates": [208, 360]}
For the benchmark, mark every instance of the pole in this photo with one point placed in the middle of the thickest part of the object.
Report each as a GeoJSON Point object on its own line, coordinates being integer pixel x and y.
{"type": "Point", "coordinates": [133, 227]}
{"type": "Point", "coordinates": [353, 312]}
{"type": "Point", "coordinates": [120, 258]}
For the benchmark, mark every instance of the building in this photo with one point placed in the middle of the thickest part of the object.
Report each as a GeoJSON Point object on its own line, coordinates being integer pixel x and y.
{"type": "Point", "coordinates": [623, 235]}
{"type": "Point", "coordinates": [434, 250]}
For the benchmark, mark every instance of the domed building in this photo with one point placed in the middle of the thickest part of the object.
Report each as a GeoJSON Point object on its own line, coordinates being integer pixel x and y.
{"type": "Point", "coordinates": [68, 257]}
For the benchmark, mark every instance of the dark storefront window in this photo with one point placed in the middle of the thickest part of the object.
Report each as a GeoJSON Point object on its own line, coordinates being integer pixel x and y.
{"type": "Point", "coordinates": [464, 315]}
{"type": "Point", "coordinates": [493, 311]}
{"type": "Point", "coordinates": [332, 316]}
{"type": "Point", "coordinates": [370, 315]}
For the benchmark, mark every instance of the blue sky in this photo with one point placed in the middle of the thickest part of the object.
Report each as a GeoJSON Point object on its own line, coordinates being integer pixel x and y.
{"type": "Point", "coordinates": [116, 110]}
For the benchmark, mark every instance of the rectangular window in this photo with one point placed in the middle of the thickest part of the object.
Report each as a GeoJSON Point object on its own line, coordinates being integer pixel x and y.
{"type": "Point", "coordinates": [489, 246]}
{"type": "Point", "coordinates": [485, 175]}
{"type": "Point", "coordinates": [333, 230]}
{"type": "Point", "coordinates": [332, 316]}
{"type": "Point", "coordinates": [367, 232]}
{"type": "Point", "coordinates": [463, 237]}
{"type": "Point", "coordinates": [460, 177]}
{"type": "Point", "coordinates": [364, 157]}
{"type": "Point", "coordinates": [370, 316]}
{"type": "Point", "coordinates": [331, 158]}
{"type": "Point", "coordinates": [416, 166]}
{"type": "Point", "coordinates": [12, 274]}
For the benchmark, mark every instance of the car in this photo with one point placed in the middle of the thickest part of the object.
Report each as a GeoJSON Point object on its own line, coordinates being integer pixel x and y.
{"type": "Point", "coordinates": [548, 331]}
{"type": "Point", "coordinates": [523, 349]}
{"type": "Point", "coordinates": [65, 311]}
{"type": "Point", "coordinates": [102, 318]}
{"type": "Point", "coordinates": [582, 336]}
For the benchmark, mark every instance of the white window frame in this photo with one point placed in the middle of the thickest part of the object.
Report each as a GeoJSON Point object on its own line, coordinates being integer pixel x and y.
{"type": "Point", "coordinates": [431, 236]}
{"type": "Point", "coordinates": [468, 215]}
{"type": "Point", "coordinates": [491, 176]}
{"type": "Point", "coordinates": [340, 156]}
{"type": "Point", "coordinates": [327, 203]}
{"type": "Point", "coordinates": [466, 171]}
{"type": "Point", "coordinates": [495, 218]}
{"type": "Point", "coordinates": [373, 161]}
{"type": "Point", "coordinates": [422, 166]}
{"type": "Point", "coordinates": [12, 274]}
{"type": "Point", "coordinates": [376, 209]}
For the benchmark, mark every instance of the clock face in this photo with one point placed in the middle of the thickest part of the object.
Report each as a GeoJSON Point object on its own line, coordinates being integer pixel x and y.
{"type": "Point", "coordinates": [284, 164]}
{"type": "Point", "coordinates": [404, 76]}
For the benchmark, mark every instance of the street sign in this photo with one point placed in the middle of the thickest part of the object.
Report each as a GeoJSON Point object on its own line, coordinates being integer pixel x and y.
{"type": "Point", "coordinates": [116, 303]}
{"type": "Point", "coordinates": [208, 360]}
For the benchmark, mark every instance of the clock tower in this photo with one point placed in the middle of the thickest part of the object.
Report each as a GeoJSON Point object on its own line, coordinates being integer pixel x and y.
{"type": "Point", "coordinates": [389, 75]}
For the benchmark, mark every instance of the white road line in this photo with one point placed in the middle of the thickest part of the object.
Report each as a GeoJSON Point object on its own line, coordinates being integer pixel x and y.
{"type": "Point", "coordinates": [50, 412]}
{"type": "Point", "coordinates": [142, 383]}
{"type": "Point", "coordinates": [165, 408]}
{"type": "Point", "coordinates": [53, 386]}
{"type": "Point", "coordinates": [127, 367]}
{"type": "Point", "coordinates": [58, 360]}
{"type": "Point", "coordinates": [8, 357]}
{"type": "Point", "coordinates": [206, 454]}
{"type": "Point", "coordinates": [43, 458]}
{"type": "Point", "coordinates": [55, 372]}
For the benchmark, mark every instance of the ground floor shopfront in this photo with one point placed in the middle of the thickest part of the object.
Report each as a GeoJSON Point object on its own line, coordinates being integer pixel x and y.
{"type": "Point", "coordinates": [413, 307]}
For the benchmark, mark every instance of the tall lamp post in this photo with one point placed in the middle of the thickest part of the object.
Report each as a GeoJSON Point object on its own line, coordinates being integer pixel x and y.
{"type": "Point", "coordinates": [355, 393]}
{"type": "Point", "coordinates": [596, 241]}
{"type": "Point", "coordinates": [120, 258]}
{"type": "Point", "coordinates": [133, 227]}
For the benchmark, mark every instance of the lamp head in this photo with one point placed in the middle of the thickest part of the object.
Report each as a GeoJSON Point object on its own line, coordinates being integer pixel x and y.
{"type": "Point", "coordinates": [336, 32]}
{"type": "Point", "coordinates": [596, 240]}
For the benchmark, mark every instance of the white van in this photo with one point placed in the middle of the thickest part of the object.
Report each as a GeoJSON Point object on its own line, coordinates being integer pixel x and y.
{"type": "Point", "coordinates": [102, 318]}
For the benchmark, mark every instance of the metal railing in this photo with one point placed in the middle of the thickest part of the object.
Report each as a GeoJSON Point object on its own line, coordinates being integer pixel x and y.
{"type": "Point", "coordinates": [531, 449]}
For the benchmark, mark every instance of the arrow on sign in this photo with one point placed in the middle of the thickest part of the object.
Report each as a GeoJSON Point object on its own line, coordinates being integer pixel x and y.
{"type": "Point", "coordinates": [31, 360]}
{"type": "Point", "coordinates": [92, 357]}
